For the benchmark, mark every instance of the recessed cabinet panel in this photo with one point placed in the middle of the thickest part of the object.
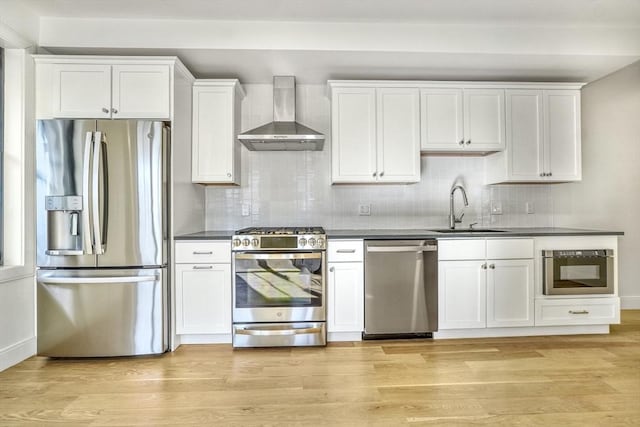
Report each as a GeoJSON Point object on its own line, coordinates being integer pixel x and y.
{"type": "Point", "coordinates": [353, 112]}
{"type": "Point", "coordinates": [510, 293]}
{"type": "Point", "coordinates": [442, 123]}
{"type": "Point", "coordinates": [141, 91]}
{"type": "Point", "coordinates": [484, 119]}
{"type": "Point", "coordinates": [461, 295]}
{"type": "Point", "coordinates": [524, 133]}
{"type": "Point", "coordinates": [345, 297]}
{"type": "Point", "coordinates": [563, 134]}
{"type": "Point", "coordinates": [81, 91]}
{"type": "Point", "coordinates": [398, 135]}
{"type": "Point", "coordinates": [203, 299]}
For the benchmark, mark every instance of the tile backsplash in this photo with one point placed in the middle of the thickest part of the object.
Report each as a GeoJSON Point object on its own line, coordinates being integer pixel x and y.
{"type": "Point", "coordinates": [294, 188]}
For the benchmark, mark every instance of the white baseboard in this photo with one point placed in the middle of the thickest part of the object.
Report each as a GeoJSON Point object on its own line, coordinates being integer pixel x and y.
{"type": "Point", "coordinates": [344, 336]}
{"type": "Point", "coordinates": [521, 332]}
{"type": "Point", "coordinates": [630, 303]}
{"type": "Point", "coordinates": [206, 339]}
{"type": "Point", "coordinates": [16, 353]}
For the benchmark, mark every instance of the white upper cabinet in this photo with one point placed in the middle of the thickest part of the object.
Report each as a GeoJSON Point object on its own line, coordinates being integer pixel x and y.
{"type": "Point", "coordinates": [470, 120]}
{"type": "Point", "coordinates": [104, 87]}
{"type": "Point", "coordinates": [375, 135]}
{"type": "Point", "coordinates": [543, 138]}
{"type": "Point", "coordinates": [216, 122]}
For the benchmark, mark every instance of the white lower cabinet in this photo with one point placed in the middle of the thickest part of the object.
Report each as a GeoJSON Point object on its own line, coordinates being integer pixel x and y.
{"type": "Point", "coordinates": [479, 291]}
{"type": "Point", "coordinates": [203, 288]}
{"type": "Point", "coordinates": [345, 290]}
{"type": "Point", "coordinates": [203, 298]}
{"type": "Point", "coordinates": [577, 311]}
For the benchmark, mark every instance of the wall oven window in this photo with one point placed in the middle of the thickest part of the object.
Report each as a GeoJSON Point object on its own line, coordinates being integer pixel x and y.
{"type": "Point", "coordinates": [278, 280]}
{"type": "Point", "coordinates": [573, 272]}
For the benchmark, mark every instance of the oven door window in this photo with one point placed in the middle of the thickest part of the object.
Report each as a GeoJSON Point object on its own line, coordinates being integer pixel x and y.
{"type": "Point", "coordinates": [580, 272]}
{"type": "Point", "coordinates": [278, 280]}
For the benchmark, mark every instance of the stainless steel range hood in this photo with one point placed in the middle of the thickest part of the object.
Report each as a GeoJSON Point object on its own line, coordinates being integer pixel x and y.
{"type": "Point", "coordinates": [284, 133]}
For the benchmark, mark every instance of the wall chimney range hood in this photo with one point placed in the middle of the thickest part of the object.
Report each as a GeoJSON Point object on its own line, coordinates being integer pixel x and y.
{"type": "Point", "coordinates": [284, 133]}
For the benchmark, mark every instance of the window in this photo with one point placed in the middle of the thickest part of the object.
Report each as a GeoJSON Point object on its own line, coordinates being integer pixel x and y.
{"type": "Point", "coordinates": [1, 155]}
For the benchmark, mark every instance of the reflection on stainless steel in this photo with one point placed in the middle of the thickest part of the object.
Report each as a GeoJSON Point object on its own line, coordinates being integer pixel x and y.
{"type": "Point", "coordinates": [90, 313]}
{"type": "Point", "coordinates": [101, 202]}
{"type": "Point", "coordinates": [401, 288]}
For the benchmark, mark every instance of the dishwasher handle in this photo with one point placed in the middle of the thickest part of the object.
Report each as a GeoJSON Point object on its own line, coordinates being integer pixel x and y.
{"type": "Point", "coordinates": [417, 249]}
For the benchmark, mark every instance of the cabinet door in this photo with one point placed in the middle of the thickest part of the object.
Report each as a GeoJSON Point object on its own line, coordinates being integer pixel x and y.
{"type": "Point", "coordinates": [461, 294]}
{"type": "Point", "coordinates": [524, 135]}
{"type": "Point", "coordinates": [141, 91]}
{"type": "Point", "coordinates": [441, 120]}
{"type": "Point", "coordinates": [213, 135]}
{"type": "Point", "coordinates": [562, 135]}
{"type": "Point", "coordinates": [398, 135]}
{"type": "Point", "coordinates": [345, 307]}
{"type": "Point", "coordinates": [353, 129]}
{"type": "Point", "coordinates": [81, 91]}
{"type": "Point", "coordinates": [484, 119]}
{"type": "Point", "coordinates": [510, 293]}
{"type": "Point", "coordinates": [203, 298]}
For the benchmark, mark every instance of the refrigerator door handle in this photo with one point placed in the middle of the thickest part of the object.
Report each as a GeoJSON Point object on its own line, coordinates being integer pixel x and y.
{"type": "Point", "coordinates": [95, 193]}
{"type": "Point", "coordinates": [113, 279]}
{"type": "Point", "coordinates": [87, 240]}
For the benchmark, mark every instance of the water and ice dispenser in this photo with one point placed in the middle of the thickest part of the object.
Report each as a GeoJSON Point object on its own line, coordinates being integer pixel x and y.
{"type": "Point", "coordinates": [64, 225]}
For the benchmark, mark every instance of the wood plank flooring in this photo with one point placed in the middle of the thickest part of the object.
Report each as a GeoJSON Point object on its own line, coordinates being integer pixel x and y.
{"type": "Point", "coordinates": [582, 380]}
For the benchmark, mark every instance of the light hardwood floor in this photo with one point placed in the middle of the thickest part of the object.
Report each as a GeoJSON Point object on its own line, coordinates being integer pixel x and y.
{"type": "Point", "coordinates": [586, 380]}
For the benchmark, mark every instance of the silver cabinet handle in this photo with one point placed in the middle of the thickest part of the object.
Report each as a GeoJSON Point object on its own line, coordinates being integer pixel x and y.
{"type": "Point", "coordinates": [105, 110]}
{"type": "Point", "coordinates": [468, 142]}
{"type": "Point", "coordinates": [484, 266]}
{"type": "Point", "coordinates": [492, 266]}
{"type": "Point", "coordinates": [578, 312]}
{"type": "Point", "coordinates": [203, 252]}
{"type": "Point", "coordinates": [374, 174]}
{"type": "Point", "coordinates": [382, 173]}
{"type": "Point", "coordinates": [202, 267]}
{"type": "Point", "coordinates": [550, 174]}
{"type": "Point", "coordinates": [228, 175]}
{"type": "Point", "coordinates": [332, 269]}
{"type": "Point", "coordinates": [461, 142]}
{"type": "Point", "coordinates": [346, 251]}
{"type": "Point", "coordinates": [114, 111]}
{"type": "Point", "coordinates": [542, 174]}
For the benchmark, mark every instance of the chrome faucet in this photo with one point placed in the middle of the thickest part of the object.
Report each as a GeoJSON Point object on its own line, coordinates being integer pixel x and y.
{"type": "Point", "coordinates": [452, 216]}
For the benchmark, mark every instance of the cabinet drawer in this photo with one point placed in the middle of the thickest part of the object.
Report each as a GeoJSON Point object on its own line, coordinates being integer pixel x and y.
{"type": "Point", "coordinates": [345, 251]}
{"type": "Point", "coordinates": [572, 311]}
{"type": "Point", "coordinates": [509, 248]}
{"type": "Point", "coordinates": [203, 252]}
{"type": "Point", "coordinates": [461, 249]}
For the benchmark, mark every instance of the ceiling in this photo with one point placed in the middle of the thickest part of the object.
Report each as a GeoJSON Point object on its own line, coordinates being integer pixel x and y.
{"type": "Point", "coordinates": [542, 40]}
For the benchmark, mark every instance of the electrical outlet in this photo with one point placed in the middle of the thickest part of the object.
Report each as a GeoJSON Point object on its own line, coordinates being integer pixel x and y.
{"type": "Point", "coordinates": [364, 210]}
{"type": "Point", "coordinates": [496, 208]}
{"type": "Point", "coordinates": [530, 208]}
{"type": "Point", "coordinates": [246, 209]}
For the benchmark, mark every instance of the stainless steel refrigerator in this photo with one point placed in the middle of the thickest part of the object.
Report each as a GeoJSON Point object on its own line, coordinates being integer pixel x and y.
{"type": "Point", "coordinates": [102, 212]}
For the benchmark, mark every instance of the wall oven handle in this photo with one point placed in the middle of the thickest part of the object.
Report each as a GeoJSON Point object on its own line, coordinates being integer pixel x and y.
{"type": "Point", "coordinates": [303, 255]}
{"type": "Point", "coordinates": [272, 332]}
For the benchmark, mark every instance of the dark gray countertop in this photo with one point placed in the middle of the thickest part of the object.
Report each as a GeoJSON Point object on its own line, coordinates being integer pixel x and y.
{"type": "Point", "coordinates": [423, 233]}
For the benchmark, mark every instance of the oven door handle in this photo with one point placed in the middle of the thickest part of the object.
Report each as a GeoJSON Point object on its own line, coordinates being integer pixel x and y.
{"type": "Point", "coordinates": [311, 255]}
{"type": "Point", "coordinates": [272, 332]}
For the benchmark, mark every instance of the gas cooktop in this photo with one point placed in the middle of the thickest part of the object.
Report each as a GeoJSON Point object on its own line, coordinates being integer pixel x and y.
{"type": "Point", "coordinates": [279, 238]}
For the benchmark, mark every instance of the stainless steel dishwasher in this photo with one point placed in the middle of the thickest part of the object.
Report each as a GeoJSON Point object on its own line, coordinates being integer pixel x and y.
{"type": "Point", "coordinates": [401, 288]}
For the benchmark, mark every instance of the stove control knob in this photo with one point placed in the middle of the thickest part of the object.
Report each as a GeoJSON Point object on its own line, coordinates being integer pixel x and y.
{"type": "Point", "coordinates": [302, 241]}
{"type": "Point", "coordinates": [320, 242]}
{"type": "Point", "coordinates": [245, 242]}
{"type": "Point", "coordinates": [255, 242]}
{"type": "Point", "coordinates": [312, 242]}
{"type": "Point", "coordinates": [236, 243]}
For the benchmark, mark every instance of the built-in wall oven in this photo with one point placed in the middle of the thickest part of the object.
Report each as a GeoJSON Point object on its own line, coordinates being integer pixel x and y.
{"type": "Point", "coordinates": [279, 287]}
{"type": "Point", "coordinates": [578, 272]}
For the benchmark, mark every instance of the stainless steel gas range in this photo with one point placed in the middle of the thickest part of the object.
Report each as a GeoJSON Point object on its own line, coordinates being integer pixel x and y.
{"type": "Point", "coordinates": [279, 287]}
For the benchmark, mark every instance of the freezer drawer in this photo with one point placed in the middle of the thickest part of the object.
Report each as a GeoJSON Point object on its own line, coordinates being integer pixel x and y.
{"type": "Point", "coordinates": [94, 313]}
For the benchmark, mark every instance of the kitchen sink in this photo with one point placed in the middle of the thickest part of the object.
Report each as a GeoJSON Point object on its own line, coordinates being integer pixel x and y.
{"type": "Point", "coordinates": [468, 230]}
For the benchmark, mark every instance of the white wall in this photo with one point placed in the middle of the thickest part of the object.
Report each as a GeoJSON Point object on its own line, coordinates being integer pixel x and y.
{"type": "Point", "coordinates": [294, 188]}
{"type": "Point", "coordinates": [608, 196]}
